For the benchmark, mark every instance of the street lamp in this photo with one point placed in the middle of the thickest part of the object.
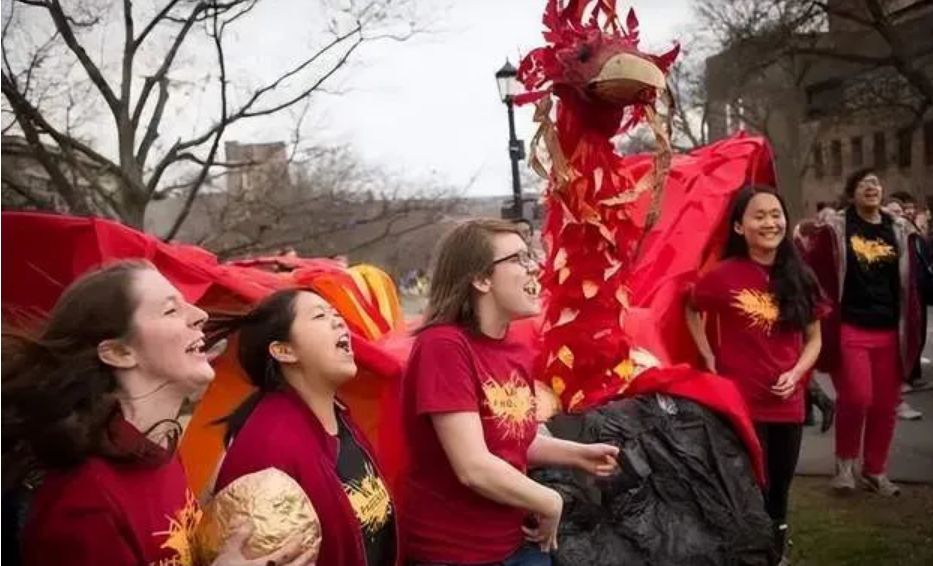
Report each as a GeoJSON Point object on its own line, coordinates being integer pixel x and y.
{"type": "Point", "coordinates": [508, 87]}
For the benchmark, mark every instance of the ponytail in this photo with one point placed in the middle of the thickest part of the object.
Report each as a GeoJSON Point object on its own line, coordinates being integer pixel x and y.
{"type": "Point", "coordinates": [269, 321]}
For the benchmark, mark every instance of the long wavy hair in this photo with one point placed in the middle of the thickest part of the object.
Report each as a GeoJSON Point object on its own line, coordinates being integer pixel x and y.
{"type": "Point", "coordinates": [59, 399]}
{"type": "Point", "coordinates": [791, 281]}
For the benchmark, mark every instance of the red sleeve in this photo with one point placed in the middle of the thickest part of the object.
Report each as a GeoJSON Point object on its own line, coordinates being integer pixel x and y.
{"type": "Point", "coordinates": [257, 448]}
{"type": "Point", "coordinates": [442, 373]}
{"type": "Point", "coordinates": [824, 307]}
{"type": "Point", "coordinates": [708, 292]}
{"type": "Point", "coordinates": [79, 529]}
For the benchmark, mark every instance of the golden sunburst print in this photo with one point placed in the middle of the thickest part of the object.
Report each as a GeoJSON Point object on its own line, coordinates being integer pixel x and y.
{"type": "Point", "coordinates": [180, 531]}
{"type": "Point", "coordinates": [370, 500]}
{"type": "Point", "coordinates": [512, 404]}
{"type": "Point", "coordinates": [869, 252]}
{"type": "Point", "coordinates": [758, 307]}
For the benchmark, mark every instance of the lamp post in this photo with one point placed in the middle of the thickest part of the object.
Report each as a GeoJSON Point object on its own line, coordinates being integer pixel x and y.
{"type": "Point", "coordinates": [508, 87]}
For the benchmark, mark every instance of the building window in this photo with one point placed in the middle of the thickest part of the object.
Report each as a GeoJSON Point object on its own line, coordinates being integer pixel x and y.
{"type": "Point", "coordinates": [928, 143]}
{"type": "Point", "coordinates": [905, 139]}
{"type": "Point", "coordinates": [819, 168]}
{"type": "Point", "coordinates": [858, 152]}
{"type": "Point", "coordinates": [824, 99]}
{"type": "Point", "coordinates": [880, 151]}
{"type": "Point", "coordinates": [835, 158]}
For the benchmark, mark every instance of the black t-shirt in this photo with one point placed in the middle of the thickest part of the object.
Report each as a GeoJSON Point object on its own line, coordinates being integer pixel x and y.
{"type": "Point", "coordinates": [369, 498]}
{"type": "Point", "coordinates": [871, 293]}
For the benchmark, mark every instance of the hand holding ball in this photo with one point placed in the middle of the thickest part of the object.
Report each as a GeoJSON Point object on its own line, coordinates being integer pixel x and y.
{"type": "Point", "coordinates": [273, 508]}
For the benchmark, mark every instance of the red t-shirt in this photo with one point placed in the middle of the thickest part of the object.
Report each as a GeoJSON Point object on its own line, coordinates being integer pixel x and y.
{"type": "Point", "coordinates": [115, 514]}
{"type": "Point", "coordinates": [454, 370]}
{"type": "Point", "coordinates": [749, 347]}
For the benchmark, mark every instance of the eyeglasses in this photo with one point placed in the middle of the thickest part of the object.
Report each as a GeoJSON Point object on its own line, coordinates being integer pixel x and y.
{"type": "Point", "coordinates": [525, 258]}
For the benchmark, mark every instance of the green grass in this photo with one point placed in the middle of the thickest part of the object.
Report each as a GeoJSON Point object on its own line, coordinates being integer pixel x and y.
{"type": "Point", "coordinates": [860, 530]}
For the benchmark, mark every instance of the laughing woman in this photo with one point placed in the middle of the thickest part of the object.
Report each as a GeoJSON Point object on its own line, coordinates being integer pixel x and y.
{"type": "Point", "coordinates": [469, 412]}
{"type": "Point", "coordinates": [89, 409]}
{"type": "Point", "coordinates": [767, 306]}
{"type": "Point", "coordinates": [296, 350]}
{"type": "Point", "coordinates": [865, 258]}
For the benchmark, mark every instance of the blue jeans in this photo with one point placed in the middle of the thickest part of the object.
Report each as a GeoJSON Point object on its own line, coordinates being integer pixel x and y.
{"type": "Point", "coordinates": [527, 555]}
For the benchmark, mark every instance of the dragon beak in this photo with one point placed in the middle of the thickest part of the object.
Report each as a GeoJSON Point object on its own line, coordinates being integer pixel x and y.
{"type": "Point", "coordinates": [624, 75]}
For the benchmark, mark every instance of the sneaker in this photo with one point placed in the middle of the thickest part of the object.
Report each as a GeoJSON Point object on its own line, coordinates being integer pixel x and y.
{"type": "Point", "coordinates": [906, 387]}
{"type": "Point", "coordinates": [907, 413]}
{"type": "Point", "coordinates": [926, 361]}
{"type": "Point", "coordinates": [880, 485]}
{"type": "Point", "coordinates": [844, 482]}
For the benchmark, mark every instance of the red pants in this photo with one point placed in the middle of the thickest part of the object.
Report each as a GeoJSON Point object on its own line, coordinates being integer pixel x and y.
{"type": "Point", "coordinates": [868, 389]}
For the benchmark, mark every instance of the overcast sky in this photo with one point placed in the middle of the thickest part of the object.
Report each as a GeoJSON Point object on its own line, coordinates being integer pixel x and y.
{"type": "Point", "coordinates": [429, 106]}
{"type": "Point", "coordinates": [424, 108]}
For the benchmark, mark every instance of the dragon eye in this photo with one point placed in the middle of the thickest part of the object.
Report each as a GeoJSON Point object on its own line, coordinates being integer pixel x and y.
{"type": "Point", "coordinates": [585, 53]}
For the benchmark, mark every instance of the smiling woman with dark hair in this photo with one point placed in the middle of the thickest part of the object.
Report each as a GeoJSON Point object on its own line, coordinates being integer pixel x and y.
{"type": "Point", "coordinates": [295, 348]}
{"type": "Point", "coordinates": [767, 305]}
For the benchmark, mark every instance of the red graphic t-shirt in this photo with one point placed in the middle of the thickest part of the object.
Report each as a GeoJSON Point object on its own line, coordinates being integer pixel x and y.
{"type": "Point", "coordinates": [118, 514]}
{"type": "Point", "coordinates": [743, 331]}
{"type": "Point", "coordinates": [454, 370]}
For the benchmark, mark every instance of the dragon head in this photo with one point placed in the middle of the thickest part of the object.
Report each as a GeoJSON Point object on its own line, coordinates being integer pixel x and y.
{"type": "Point", "coordinates": [603, 85]}
{"type": "Point", "coordinates": [593, 60]}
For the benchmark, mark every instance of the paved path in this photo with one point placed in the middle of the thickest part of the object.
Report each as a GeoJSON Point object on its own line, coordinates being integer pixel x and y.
{"type": "Point", "coordinates": [912, 452]}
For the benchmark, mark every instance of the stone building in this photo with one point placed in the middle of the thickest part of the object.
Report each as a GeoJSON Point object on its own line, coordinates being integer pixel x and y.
{"type": "Point", "coordinates": [834, 105]}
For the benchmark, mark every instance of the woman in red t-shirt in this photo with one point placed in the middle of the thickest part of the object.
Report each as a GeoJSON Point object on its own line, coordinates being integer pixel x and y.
{"type": "Point", "coordinates": [295, 348]}
{"type": "Point", "coordinates": [764, 305]}
{"type": "Point", "coordinates": [468, 409]}
{"type": "Point", "coordinates": [89, 411]}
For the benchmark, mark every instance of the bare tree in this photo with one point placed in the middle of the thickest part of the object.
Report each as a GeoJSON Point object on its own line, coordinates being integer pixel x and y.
{"type": "Point", "coordinates": [795, 69]}
{"type": "Point", "coordinates": [60, 65]}
{"type": "Point", "coordinates": [327, 202]}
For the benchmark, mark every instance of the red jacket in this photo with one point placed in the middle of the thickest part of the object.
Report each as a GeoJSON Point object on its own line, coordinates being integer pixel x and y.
{"type": "Point", "coordinates": [822, 245]}
{"type": "Point", "coordinates": [283, 433]}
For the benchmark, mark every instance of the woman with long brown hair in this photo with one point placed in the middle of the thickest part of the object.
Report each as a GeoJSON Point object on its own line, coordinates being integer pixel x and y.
{"type": "Point", "coordinates": [89, 416]}
{"type": "Point", "coordinates": [468, 406]}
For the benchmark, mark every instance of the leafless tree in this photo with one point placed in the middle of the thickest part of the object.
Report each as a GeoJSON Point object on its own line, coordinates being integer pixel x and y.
{"type": "Point", "coordinates": [79, 74]}
{"type": "Point", "coordinates": [775, 51]}
{"type": "Point", "coordinates": [325, 202]}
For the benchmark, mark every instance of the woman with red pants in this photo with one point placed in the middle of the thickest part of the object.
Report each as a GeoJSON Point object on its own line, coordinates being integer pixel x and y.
{"type": "Point", "coordinates": [862, 257]}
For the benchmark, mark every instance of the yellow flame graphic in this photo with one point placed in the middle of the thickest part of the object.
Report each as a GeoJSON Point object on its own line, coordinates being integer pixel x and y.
{"type": "Point", "coordinates": [759, 307]}
{"type": "Point", "coordinates": [370, 500]}
{"type": "Point", "coordinates": [512, 404]}
{"type": "Point", "coordinates": [869, 252]}
{"type": "Point", "coordinates": [179, 533]}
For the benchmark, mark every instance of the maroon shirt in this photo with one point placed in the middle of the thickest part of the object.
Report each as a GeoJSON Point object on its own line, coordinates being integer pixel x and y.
{"type": "Point", "coordinates": [749, 347]}
{"type": "Point", "coordinates": [283, 433]}
{"type": "Point", "coordinates": [118, 514]}
{"type": "Point", "coordinates": [454, 370]}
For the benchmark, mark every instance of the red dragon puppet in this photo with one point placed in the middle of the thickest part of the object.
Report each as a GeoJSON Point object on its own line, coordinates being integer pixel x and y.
{"type": "Point", "coordinates": [624, 235]}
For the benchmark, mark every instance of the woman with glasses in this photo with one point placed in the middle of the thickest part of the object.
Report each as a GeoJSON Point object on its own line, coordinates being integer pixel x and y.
{"type": "Point", "coordinates": [863, 257]}
{"type": "Point", "coordinates": [468, 405]}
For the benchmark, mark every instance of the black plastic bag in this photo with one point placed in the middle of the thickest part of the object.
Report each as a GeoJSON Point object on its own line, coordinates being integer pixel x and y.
{"type": "Point", "coordinates": [686, 494]}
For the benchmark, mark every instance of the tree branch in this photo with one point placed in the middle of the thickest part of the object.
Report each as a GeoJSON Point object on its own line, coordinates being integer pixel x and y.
{"type": "Point", "coordinates": [63, 26]}
{"type": "Point", "coordinates": [161, 73]}
{"type": "Point", "coordinates": [218, 29]}
{"type": "Point", "coordinates": [901, 60]}
{"type": "Point", "coordinates": [137, 43]}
